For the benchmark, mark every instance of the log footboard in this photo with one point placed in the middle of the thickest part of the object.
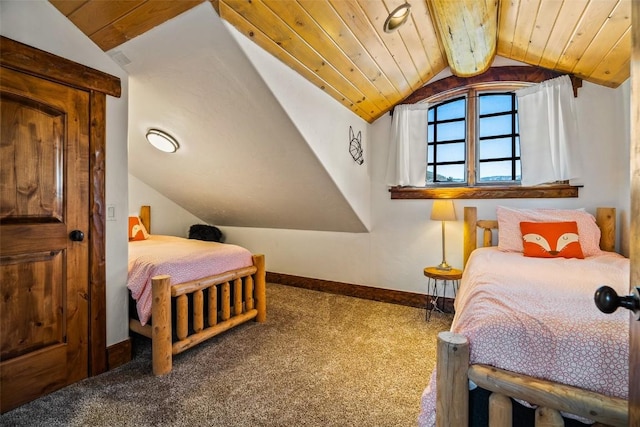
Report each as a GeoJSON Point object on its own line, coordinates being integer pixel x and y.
{"type": "Point", "coordinates": [223, 310]}
{"type": "Point", "coordinates": [454, 371]}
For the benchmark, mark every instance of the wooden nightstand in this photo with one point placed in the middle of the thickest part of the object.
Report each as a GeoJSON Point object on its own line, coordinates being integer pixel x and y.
{"type": "Point", "coordinates": [445, 277]}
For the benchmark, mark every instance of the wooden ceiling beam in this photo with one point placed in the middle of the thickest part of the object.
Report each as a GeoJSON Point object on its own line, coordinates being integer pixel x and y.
{"type": "Point", "coordinates": [468, 32]}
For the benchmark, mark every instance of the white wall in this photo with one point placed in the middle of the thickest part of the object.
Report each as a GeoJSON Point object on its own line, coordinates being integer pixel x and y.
{"type": "Point", "coordinates": [167, 217]}
{"type": "Point", "coordinates": [324, 127]}
{"type": "Point", "coordinates": [604, 124]}
{"type": "Point", "coordinates": [39, 24]}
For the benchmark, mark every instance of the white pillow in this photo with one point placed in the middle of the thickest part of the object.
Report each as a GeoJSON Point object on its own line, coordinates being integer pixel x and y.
{"type": "Point", "coordinates": [510, 237]}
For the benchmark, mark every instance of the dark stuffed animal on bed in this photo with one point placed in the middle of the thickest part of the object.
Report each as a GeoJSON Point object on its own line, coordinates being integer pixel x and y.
{"type": "Point", "coordinates": [206, 232]}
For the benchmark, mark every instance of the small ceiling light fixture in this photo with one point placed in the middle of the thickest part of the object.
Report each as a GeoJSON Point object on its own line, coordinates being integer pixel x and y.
{"type": "Point", "coordinates": [397, 18]}
{"type": "Point", "coordinates": [162, 141]}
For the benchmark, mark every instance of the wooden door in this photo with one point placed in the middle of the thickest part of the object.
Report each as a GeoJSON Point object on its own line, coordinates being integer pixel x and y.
{"type": "Point", "coordinates": [44, 274]}
{"type": "Point", "coordinates": [634, 330]}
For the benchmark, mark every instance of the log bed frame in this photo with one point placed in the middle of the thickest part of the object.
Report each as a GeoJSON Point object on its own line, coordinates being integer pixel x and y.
{"type": "Point", "coordinates": [249, 282]}
{"type": "Point", "coordinates": [454, 371]}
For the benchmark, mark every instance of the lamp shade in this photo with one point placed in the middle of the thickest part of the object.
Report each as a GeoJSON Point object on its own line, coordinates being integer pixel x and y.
{"type": "Point", "coordinates": [443, 210]}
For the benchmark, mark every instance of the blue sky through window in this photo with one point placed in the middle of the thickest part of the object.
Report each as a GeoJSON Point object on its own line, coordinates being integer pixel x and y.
{"type": "Point", "coordinates": [496, 155]}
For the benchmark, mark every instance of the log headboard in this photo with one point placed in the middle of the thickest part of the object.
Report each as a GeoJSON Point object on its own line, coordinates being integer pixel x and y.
{"type": "Point", "coordinates": [605, 218]}
{"type": "Point", "coordinates": [145, 217]}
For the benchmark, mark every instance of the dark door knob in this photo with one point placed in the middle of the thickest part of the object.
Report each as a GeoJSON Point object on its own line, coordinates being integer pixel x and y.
{"type": "Point", "coordinates": [76, 236]}
{"type": "Point", "coordinates": [608, 301]}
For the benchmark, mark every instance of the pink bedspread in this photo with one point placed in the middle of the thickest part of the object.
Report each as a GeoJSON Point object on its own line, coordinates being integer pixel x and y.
{"type": "Point", "coordinates": [537, 317]}
{"type": "Point", "coordinates": [182, 259]}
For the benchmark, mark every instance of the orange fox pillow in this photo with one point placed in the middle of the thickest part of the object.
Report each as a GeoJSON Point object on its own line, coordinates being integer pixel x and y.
{"type": "Point", "coordinates": [137, 230]}
{"type": "Point", "coordinates": [551, 239]}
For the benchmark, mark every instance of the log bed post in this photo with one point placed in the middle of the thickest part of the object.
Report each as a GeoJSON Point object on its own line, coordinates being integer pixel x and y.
{"type": "Point", "coordinates": [161, 349]}
{"type": "Point", "coordinates": [606, 220]}
{"type": "Point", "coordinates": [546, 417]}
{"type": "Point", "coordinates": [470, 232]}
{"type": "Point", "coordinates": [500, 410]}
{"type": "Point", "coordinates": [145, 217]}
{"type": "Point", "coordinates": [452, 400]}
{"type": "Point", "coordinates": [260, 288]}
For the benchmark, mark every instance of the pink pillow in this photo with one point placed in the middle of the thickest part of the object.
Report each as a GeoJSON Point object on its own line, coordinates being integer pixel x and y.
{"type": "Point", "coordinates": [510, 237]}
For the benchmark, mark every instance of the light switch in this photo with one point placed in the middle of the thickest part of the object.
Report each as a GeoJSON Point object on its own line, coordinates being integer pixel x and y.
{"type": "Point", "coordinates": [111, 213]}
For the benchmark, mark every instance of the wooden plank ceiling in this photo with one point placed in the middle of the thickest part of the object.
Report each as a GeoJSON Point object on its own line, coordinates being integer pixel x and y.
{"type": "Point", "coordinates": [341, 47]}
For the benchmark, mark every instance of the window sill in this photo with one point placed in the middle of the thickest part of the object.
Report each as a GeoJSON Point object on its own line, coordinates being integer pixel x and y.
{"type": "Point", "coordinates": [555, 191]}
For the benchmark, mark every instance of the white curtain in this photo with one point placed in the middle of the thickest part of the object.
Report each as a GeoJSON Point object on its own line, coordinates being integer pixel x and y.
{"type": "Point", "coordinates": [549, 149]}
{"type": "Point", "coordinates": [407, 162]}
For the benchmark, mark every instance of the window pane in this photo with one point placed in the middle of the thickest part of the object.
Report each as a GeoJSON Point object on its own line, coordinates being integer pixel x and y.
{"type": "Point", "coordinates": [517, 146]}
{"type": "Point", "coordinates": [450, 131]}
{"type": "Point", "coordinates": [430, 174]}
{"type": "Point", "coordinates": [430, 114]}
{"type": "Point", "coordinates": [494, 171]}
{"type": "Point", "coordinates": [498, 125]}
{"type": "Point", "coordinates": [451, 152]}
{"type": "Point", "coordinates": [451, 110]}
{"type": "Point", "coordinates": [451, 173]}
{"type": "Point", "coordinates": [430, 133]}
{"type": "Point", "coordinates": [489, 104]}
{"type": "Point", "coordinates": [495, 148]}
{"type": "Point", "coordinates": [429, 153]}
{"type": "Point", "coordinates": [518, 171]}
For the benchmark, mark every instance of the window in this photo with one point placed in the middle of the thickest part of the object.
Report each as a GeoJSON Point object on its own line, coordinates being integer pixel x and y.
{"type": "Point", "coordinates": [473, 139]}
{"type": "Point", "coordinates": [446, 149]}
{"type": "Point", "coordinates": [479, 158]}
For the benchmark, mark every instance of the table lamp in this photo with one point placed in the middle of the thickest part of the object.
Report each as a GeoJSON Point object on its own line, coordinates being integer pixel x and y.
{"type": "Point", "coordinates": [443, 210]}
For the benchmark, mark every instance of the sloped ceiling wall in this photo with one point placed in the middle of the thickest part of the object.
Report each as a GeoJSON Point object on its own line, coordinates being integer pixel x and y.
{"type": "Point", "coordinates": [242, 162]}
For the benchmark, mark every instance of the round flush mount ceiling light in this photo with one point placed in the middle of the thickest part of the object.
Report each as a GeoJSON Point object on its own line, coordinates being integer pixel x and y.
{"type": "Point", "coordinates": [397, 18]}
{"type": "Point", "coordinates": [162, 141]}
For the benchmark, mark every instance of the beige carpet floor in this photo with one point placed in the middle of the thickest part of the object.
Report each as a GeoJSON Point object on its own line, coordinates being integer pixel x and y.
{"type": "Point", "coordinates": [319, 360]}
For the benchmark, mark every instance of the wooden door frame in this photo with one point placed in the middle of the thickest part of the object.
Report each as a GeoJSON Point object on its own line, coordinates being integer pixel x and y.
{"type": "Point", "coordinates": [36, 62]}
{"type": "Point", "coordinates": [634, 250]}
